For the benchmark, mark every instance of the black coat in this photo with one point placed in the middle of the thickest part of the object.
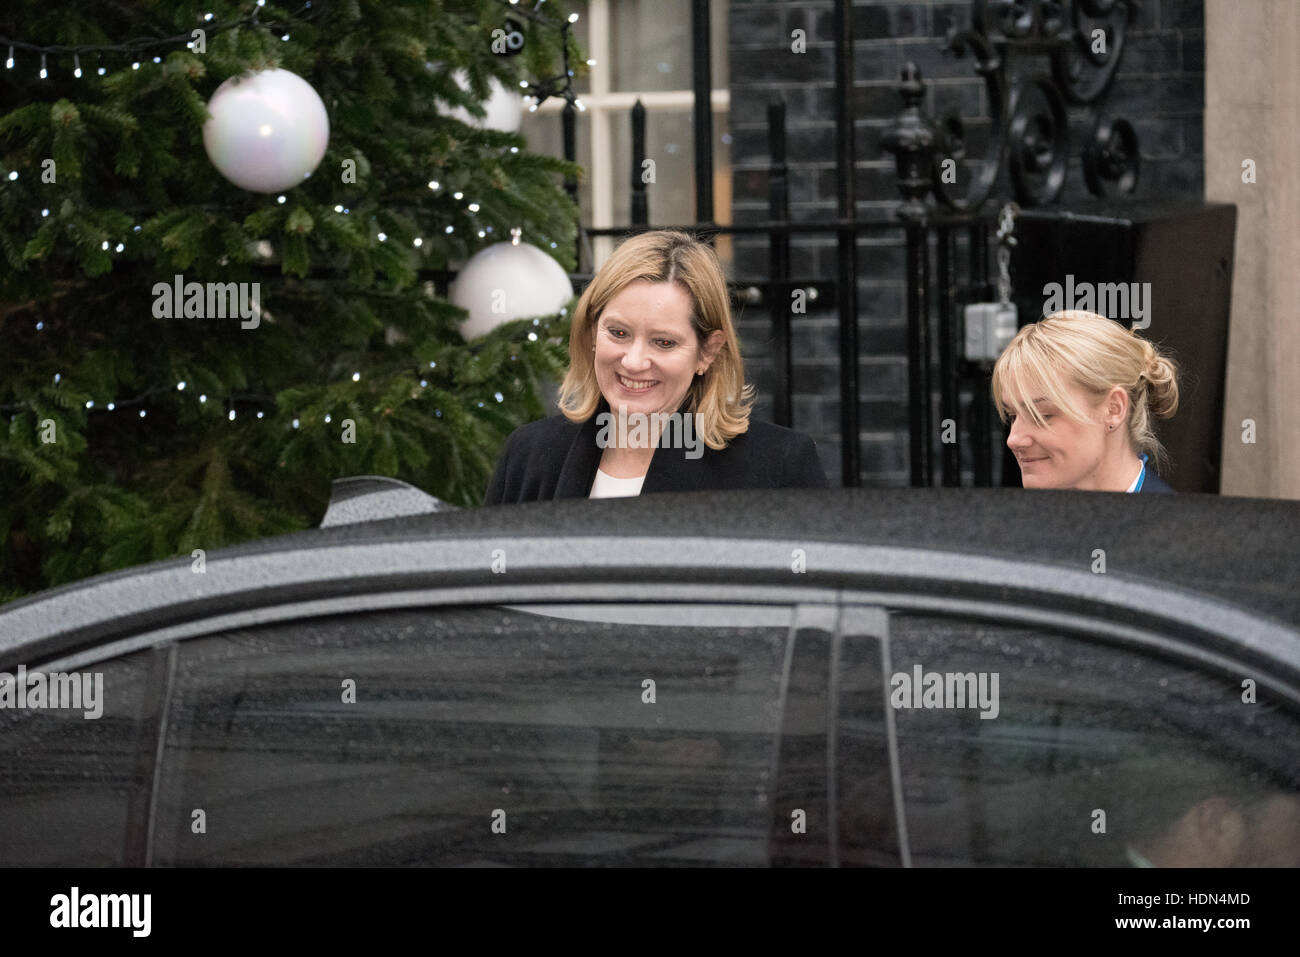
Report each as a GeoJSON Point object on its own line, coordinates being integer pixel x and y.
{"type": "Point", "coordinates": [555, 458]}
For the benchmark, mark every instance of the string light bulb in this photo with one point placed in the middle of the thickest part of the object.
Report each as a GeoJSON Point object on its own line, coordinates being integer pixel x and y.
{"type": "Point", "coordinates": [76, 66]}
{"type": "Point", "coordinates": [44, 72]}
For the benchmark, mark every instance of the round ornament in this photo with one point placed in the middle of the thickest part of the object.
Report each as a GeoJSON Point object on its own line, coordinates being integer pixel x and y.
{"type": "Point", "coordinates": [508, 281]}
{"type": "Point", "coordinates": [505, 107]}
{"type": "Point", "coordinates": [266, 131]}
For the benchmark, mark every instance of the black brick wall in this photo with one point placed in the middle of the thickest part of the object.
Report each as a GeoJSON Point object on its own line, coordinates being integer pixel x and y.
{"type": "Point", "coordinates": [1159, 89]}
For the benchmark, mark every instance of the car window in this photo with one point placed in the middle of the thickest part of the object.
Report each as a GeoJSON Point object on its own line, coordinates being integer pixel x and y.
{"type": "Point", "coordinates": [477, 736]}
{"type": "Point", "coordinates": [76, 750]}
{"type": "Point", "coordinates": [1085, 753]}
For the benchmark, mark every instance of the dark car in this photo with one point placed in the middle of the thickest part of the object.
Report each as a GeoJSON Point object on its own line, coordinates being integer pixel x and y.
{"type": "Point", "coordinates": [851, 677]}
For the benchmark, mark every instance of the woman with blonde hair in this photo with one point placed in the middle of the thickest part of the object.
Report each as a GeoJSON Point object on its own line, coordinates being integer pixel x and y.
{"type": "Point", "coordinates": [655, 398]}
{"type": "Point", "coordinates": [1080, 392]}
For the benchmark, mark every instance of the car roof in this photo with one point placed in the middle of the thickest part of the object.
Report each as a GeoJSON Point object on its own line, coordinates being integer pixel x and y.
{"type": "Point", "coordinates": [1161, 553]}
{"type": "Point", "coordinates": [1241, 550]}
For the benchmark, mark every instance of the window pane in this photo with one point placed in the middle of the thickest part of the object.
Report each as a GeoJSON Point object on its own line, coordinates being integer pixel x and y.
{"type": "Point", "coordinates": [651, 44]}
{"type": "Point", "coordinates": [69, 783]}
{"type": "Point", "coordinates": [463, 714]}
{"type": "Point", "coordinates": [544, 132]}
{"type": "Point", "coordinates": [580, 31]}
{"type": "Point", "coordinates": [1098, 755]}
{"type": "Point", "coordinates": [670, 142]}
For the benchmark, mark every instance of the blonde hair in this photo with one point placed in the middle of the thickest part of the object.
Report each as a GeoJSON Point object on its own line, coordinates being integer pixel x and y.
{"type": "Point", "coordinates": [1097, 354]}
{"type": "Point", "coordinates": [719, 399]}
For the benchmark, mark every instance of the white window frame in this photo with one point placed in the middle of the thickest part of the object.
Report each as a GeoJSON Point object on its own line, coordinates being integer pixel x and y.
{"type": "Point", "coordinates": [601, 104]}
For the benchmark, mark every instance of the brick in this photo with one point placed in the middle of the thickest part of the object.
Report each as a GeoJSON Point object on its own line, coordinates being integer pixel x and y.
{"type": "Point", "coordinates": [1160, 137]}
{"type": "Point", "coordinates": [877, 21]}
{"type": "Point", "coordinates": [1180, 177]}
{"type": "Point", "coordinates": [1148, 15]}
{"type": "Point", "coordinates": [877, 182]}
{"type": "Point", "coordinates": [882, 303]}
{"type": "Point", "coordinates": [876, 101]}
{"type": "Point", "coordinates": [1152, 53]}
{"type": "Point", "coordinates": [1193, 51]}
{"type": "Point", "coordinates": [1175, 94]}
{"type": "Point", "coordinates": [1182, 14]}
{"type": "Point", "coordinates": [817, 64]}
{"type": "Point", "coordinates": [948, 15]}
{"type": "Point", "coordinates": [1194, 135]}
{"type": "Point", "coordinates": [884, 453]}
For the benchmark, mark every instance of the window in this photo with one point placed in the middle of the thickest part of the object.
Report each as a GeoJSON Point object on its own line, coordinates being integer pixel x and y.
{"type": "Point", "coordinates": [641, 49]}
{"type": "Point", "coordinates": [74, 787]}
{"type": "Point", "coordinates": [479, 735]}
{"type": "Point", "coordinates": [1097, 756]}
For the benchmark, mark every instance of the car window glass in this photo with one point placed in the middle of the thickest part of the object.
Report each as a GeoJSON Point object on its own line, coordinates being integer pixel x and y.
{"type": "Point", "coordinates": [1091, 754]}
{"type": "Point", "coordinates": [74, 778]}
{"type": "Point", "coordinates": [475, 735]}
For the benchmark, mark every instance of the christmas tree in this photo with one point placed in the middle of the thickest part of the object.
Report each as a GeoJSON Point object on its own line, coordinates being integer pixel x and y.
{"type": "Point", "coordinates": [130, 436]}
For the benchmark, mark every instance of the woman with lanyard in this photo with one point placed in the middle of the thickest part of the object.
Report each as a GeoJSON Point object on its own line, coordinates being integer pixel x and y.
{"type": "Point", "coordinates": [1080, 392]}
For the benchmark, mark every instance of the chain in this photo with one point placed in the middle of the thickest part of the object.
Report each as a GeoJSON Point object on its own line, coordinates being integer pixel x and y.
{"type": "Point", "coordinates": [1006, 239]}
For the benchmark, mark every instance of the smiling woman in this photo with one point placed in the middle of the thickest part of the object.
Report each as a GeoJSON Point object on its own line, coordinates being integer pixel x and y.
{"type": "Point", "coordinates": [1079, 391]}
{"type": "Point", "coordinates": [654, 372]}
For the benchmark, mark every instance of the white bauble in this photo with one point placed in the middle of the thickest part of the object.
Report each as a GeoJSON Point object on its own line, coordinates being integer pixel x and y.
{"type": "Point", "coordinates": [505, 107]}
{"type": "Point", "coordinates": [267, 131]}
{"type": "Point", "coordinates": [505, 282]}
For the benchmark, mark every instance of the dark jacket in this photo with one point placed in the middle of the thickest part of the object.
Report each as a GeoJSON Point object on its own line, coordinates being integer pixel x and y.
{"type": "Point", "coordinates": [555, 458]}
{"type": "Point", "coordinates": [1154, 483]}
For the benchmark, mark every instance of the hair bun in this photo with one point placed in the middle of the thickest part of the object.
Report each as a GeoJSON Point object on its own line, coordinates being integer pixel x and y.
{"type": "Point", "coordinates": [1161, 375]}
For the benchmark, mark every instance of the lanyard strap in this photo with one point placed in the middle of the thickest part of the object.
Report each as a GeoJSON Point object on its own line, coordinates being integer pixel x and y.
{"type": "Point", "coordinates": [1142, 476]}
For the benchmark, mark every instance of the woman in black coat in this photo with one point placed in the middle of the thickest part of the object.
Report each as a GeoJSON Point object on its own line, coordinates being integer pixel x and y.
{"type": "Point", "coordinates": [655, 398]}
{"type": "Point", "coordinates": [1080, 392]}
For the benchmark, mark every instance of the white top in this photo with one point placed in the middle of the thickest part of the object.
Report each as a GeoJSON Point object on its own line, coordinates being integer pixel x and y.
{"type": "Point", "coordinates": [1134, 484]}
{"type": "Point", "coordinates": [607, 486]}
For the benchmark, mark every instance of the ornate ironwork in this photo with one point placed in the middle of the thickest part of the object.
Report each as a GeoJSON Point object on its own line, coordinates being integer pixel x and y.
{"type": "Point", "coordinates": [1084, 41]}
{"type": "Point", "coordinates": [912, 139]}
